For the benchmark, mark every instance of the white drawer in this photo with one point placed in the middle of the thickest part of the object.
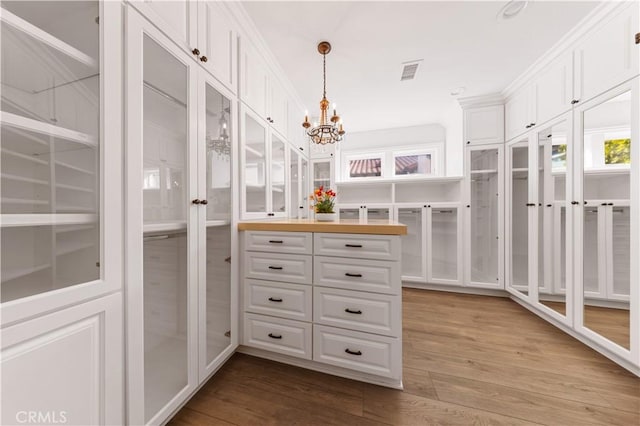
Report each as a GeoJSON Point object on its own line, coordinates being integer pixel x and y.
{"type": "Point", "coordinates": [292, 268]}
{"type": "Point", "coordinates": [279, 242]}
{"type": "Point", "coordinates": [357, 274]}
{"type": "Point", "coordinates": [369, 353]}
{"type": "Point", "coordinates": [368, 312]}
{"type": "Point", "coordinates": [291, 301]}
{"type": "Point", "coordinates": [380, 247]}
{"type": "Point", "coordinates": [278, 335]}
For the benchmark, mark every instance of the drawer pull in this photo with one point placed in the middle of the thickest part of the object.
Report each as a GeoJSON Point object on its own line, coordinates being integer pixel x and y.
{"type": "Point", "coordinates": [350, 352]}
{"type": "Point", "coordinates": [277, 268]}
{"type": "Point", "coordinates": [273, 299]}
{"type": "Point", "coordinates": [353, 245]}
{"type": "Point", "coordinates": [353, 275]}
{"type": "Point", "coordinates": [349, 311]}
{"type": "Point", "coordinates": [275, 336]}
{"type": "Point", "coordinates": [276, 241]}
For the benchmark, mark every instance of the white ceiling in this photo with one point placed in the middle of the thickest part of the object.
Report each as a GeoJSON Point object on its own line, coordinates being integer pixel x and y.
{"type": "Point", "coordinates": [461, 44]}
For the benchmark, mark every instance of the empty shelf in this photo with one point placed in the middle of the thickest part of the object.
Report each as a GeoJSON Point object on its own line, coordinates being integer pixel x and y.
{"type": "Point", "coordinates": [19, 122]}
{"type": "Point", "coordinates": [13, 220]}
{"type": "Point", "coordinates": [12, 274]}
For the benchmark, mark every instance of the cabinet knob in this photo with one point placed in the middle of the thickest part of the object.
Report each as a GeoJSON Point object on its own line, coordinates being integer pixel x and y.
{"type": "Point", "coordinates": [575, 203]}
{"type": "Point", "coordinates": [549, 205]}
{"type": "Point", "coordinates": [203, 58]}
{"type": "Point", "coordinates": [271, 214]}
{"type": "Point", "coordinates": [527, 126]}
{"type": "Point", "coordinates": [196, 201]}
{"type": "Point", "coordinates": [350, 352]}
{"type": "Point", "coordinates": [575, 101]}
{"type": "Point", "coordinates": [195, 51]}
{"type": "Point", "coordinates": [533, 124]}
{"type": "Point", "coordinates": [531, 204]}
{"type": "Point", "coordinates": [468, 142]}
{"type": "Point", "coordinates": [205, 202]}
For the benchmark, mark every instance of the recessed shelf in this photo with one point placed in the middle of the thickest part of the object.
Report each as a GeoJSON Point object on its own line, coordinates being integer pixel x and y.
{"type": "Point", "coordinates": [164, 226]}
{"type": "Point", "coordinates": [63, 248]}
{"type": "Point", "coordinates": [13, 274]}
{"type": "Point", "coordinates": [484, 172]}
{"type": "Point", "coordinates": [74, 188]}
{"type": "Point", "coordinates": [22, 156]}
{"type": "Point", "coordinates": [24, 123]}
{"type": "Point", "coordinates": [23, 201]}
{"type": "Point", "coordinates": [14, 220]}
{"type": "Point", "coordinates": [75, 168]}
{"type": "Point", "coordinates": [24, 179]}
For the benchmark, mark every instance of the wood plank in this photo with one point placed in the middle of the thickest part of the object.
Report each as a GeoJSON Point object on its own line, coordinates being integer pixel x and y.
{"type": "Point", "coordinates": [189, 417]}
{"type": "Point", "coordinates": [342, 226]}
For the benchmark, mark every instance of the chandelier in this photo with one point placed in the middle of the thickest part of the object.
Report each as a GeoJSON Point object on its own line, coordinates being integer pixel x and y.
{"type": "Point", "coordinates": [329, 130]}
{"type": "Point", "coordinates": [222, 144]}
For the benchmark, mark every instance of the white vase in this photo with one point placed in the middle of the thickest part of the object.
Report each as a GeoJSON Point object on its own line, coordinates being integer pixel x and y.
{"type": "Point", "coordinates": [326, 217]}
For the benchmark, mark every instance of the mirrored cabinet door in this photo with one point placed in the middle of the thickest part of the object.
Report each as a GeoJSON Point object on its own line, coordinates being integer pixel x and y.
{"type": "Point", "coordinates": [278, 176]}
{"type": "Point", "coordinates": [608, 150]}
{"type": "Point", "coordinates": [518, 217]}
{"type": "Point", "coordinates": [50, 147]}
{"type": "Point", "coordinates": [553, 183]}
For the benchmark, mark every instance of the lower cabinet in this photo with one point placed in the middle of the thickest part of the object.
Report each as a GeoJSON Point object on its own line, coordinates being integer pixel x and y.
{"type": "Point", "coordinates": [347, 314]}
{"type": "Point", "coordinates": [70, 359]}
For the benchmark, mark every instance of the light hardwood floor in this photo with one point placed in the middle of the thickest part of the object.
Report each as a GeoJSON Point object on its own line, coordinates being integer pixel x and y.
{"type": "Point", "coordinates": [467, 360]}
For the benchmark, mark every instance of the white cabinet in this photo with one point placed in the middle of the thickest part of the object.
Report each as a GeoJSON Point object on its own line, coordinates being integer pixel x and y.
{"type": "Point", "coordinates": [181, 132]}
{"type": "Point", "coordinates": [414, 243]}
{"type": "Point", "coordinates": [553, 89]}
{"type": "Point", "coordinates": [484, 125]}
{"type": "Point", "coordinates": [607, 56]}
{"type": "Point", "coordinates": [177, 19]}
{"type": "Point", "coordinates": [264, 163]}
{"type": "Point", "coordinates": [298, 184]}
{"type": "Point", "coordinates": [322, 173]}
{"type": "Point", "coordinates": [484, 219]}
{"type": "Point", "coordinates": [66, 366]}
{"type": "Point", "coordinates": [217, 41]}
{"type": "Point", "coordinates": [261, 90]}
{"type": "Point", "coordinates": [519, 112]}
{"type": "Point", "coordinates": [444, 244]}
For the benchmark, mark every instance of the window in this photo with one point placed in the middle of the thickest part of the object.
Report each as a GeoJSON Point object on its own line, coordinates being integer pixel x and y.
{"type": "Point", "coordinates": [559, 157]}
{"type": "Point", "coordinates": [617, 151]}
{"type": "Point", "coordinates": [365, 167]}
{"type": "Point", "coordinates": [419, 164]}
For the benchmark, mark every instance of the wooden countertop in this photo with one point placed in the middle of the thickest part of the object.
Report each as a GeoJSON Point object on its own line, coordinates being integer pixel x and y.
{"type": "Point", "coordinates": [345, 226]}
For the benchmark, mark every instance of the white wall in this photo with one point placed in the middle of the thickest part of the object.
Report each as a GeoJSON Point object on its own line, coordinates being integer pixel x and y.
{"type": "Point", "coordinates": [450, 132]}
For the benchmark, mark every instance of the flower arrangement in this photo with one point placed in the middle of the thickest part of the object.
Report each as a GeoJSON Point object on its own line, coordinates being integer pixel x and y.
{"type": "Point", "coordinates": [323, 200]}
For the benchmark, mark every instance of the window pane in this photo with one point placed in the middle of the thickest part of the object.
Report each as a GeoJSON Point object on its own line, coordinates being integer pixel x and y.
{"type": "Point", "coordinates": [413, 164]}
{"type": "Point", "coordinates": [369, 167]}
{"type": "Point", "coordinates": [617, 151]}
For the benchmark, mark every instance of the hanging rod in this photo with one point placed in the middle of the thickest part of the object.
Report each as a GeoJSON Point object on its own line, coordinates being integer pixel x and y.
{"type": "Point", "coordinates": [164, 94]}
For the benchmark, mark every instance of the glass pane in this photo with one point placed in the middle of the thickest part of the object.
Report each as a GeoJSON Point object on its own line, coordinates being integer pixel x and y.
{"type": "Point", "coordinates": [218, 290]}
{"type": "Point", "coordinates": [413, 164]}
{"type": "Point", "coordinates": [165, 179]}
{"type": "Point", "coordinates": [218, 242]}
{"type": "Point", "coordinates": [484, 216]}
{"type": "Point", "coordinates": [304, 178]}
{"type": "Point", "coordinates": [278, 175]}
{"type": "Point", "coordinates": [552, 171]}
{"type": "Point", "coordinates": [367, 167]}
{"type": "Point", "coordinates": [218, 149]}
{"type": "Point", "coordinates": [607, 218]}
{"type": "Point", "coordinates": [444, 243]}
{"type": "Point", "coordinates": [412, 254]}
{"type": "Point", "coordinates": [294, 207]}
{"type": "Point", "coordinates": [165, 320]}
{"type": "Point", "coordinates": [321, 174]}
{"type": "Point", "coordinates": [374, 213]}
{"type": "Point", "coordinates": [353, 214]}
{"type": "Point", "coordinates": [49, 146]}
{"type": "Point", "coordinates": [519, 259]}
{"type": "Point", "coordinates": [254, 166]}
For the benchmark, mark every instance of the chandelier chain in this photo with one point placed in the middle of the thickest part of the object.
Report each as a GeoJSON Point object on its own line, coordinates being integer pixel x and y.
{"type": "Point", "coordinates": [324, 75]}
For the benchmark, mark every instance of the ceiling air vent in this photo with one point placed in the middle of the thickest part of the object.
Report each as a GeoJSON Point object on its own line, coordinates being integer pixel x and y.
{"type": "Point", "coordinates": [409, 70]}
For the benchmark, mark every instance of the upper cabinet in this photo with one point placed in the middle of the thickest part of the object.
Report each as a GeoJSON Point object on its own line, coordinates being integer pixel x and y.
{"type": "Point", "coordinates": [203, 28]}
{"type": "Point", "coordinates": [552, 90]}
{"type": "Point", "coordinates": [607, 56]}
{"type": "Point", "coordinates": [261, 90]}
{"type": "Point", "coordinates": [484, 125]}
{"type": "Point", "coordinates": [519, 114]}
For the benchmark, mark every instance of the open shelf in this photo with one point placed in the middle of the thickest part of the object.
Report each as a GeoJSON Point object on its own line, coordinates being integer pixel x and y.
{"type": "Point", "coordinates": [12, 274]}
{"type": "Point", "coordinates": [14, 220]}
{"type": "Point", "coordinates": [23, 123]}
{"type": "Point", "coordinates": [164, 226]}
{"type": "Point", "coordinates": [69, 247]}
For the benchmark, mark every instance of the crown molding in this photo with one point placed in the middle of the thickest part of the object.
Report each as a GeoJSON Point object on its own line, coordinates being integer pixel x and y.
{"type": "Point", "coordinates": [250, 32]}
{"type": "Point", "coordinates": [567, 42]}
{"type": "Point", "coordinates": [481, 101]}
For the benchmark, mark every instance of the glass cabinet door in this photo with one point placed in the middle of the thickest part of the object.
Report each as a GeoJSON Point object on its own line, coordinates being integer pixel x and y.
{"type": "Point", "coordinates": [554, 165]}
{"type": "Point", "coordinates": [294, 181]}
{"type": "Point", "coordinates": [216, 300]}
{"type": "Point", "coordinates": [165, 186]}
{"type": "Point", "coordinates": [484, 210]}
{"type": "Point", "coordinates": [304, 188]}
{"type": "Point", "coordinates": [50, 147]}
{"type": "Point", "coordinates": [278, 176]}
{"type": "Point", "coordinates": [255, 164]}
{"type": "Point", "coordinates": [443, 247]}
{"type": "Point", "coordinates": [607, 150]}
{"type": "Point", "coordinates": [321, 174]}
{"type": "Point", "coordinates": [378, 213]}
{"type": "Point", "coordinates": [518, 215]}
{"type": "Point", "coordinates": [413, 243]}
{"type": "Point", "coordinates": [351, 213]}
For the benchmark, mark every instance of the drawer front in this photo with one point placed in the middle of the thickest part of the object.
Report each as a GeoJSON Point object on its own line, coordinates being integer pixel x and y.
{"type": "Point", "coordinates": [278, 335]}
{"type": "Point", "coordinates": [291, 268]}
{"type": "Point", "coordinates": [380, 247]}
{"type": "Point", "coordinates": [357, 274]}
{"type": "Point", "coordinates": [291, 301]}
{"type": "Point", "coordinates": [279, 242]}
{"type": "Point", "coordinates": [369, 353]}
{"type": "Point", "coordinates": [368, 312]}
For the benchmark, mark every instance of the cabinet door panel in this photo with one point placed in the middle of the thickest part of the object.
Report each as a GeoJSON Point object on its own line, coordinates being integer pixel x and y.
{"type": "Point", "coordinates": [607, 56]}
{"type": "Point", "coordinates": [278, 106]}
{"type": "Point", "coordinates": [484, 125]}
{"type": "Point", "coordinates": [254, 163]}
{"type": "Point", "coordinates": [278, 176]}
{"type": "Point", "coordinates": [413, 243]}
{"type": "Point", "coordinates": [517, 113]}
{"type": "Point", "coordinates": [176, 18]}
{"type": "Point", "coordinates": [217, 41]}
{"type": "Point", "coordinates": [444, 247]}
{"type": "Point", "coordinates": [553, 89]}
{"type": "Point", "coordinates": [254, 74]}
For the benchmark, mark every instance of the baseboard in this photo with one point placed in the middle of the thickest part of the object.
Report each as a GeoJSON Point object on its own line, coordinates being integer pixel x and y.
{"type": "Point", "coordinates": [451, 289]}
